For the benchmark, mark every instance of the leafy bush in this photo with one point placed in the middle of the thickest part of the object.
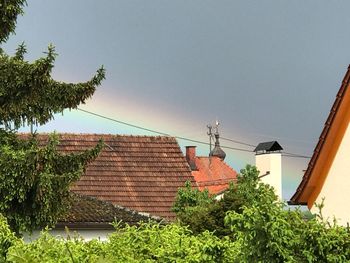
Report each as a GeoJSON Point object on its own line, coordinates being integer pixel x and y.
{"type": "Point", "coordinates": [53, 250]}
{"type": "Point", "coordinates": [259, 227]}
{"type": "Point", "coordinates": [146, 243]}
{"type": "Point", "coordinates": [7, 238]}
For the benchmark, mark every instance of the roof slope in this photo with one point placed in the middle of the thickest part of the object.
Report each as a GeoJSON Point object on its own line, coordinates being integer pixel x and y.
{"type": "Point", "coordinates": [213, 174]}
{"type": "Point", "coordinates": [89, 212]}
{"type": "Point", "coordinates": [326, 148]}
{"type": "Point", "coordinates": [142, 173]}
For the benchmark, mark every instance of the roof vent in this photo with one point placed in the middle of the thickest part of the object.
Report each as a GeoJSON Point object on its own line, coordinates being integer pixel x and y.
{"type": "Point", "coordinates": [268, 147]}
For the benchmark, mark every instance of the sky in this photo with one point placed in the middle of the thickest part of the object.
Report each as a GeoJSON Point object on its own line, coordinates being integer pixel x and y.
{"type": "Point", "coordinates": [267, 70]}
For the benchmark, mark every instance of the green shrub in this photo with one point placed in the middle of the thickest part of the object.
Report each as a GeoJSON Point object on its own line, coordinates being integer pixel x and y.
{"type": "Point", "coordinates": [7, 238]}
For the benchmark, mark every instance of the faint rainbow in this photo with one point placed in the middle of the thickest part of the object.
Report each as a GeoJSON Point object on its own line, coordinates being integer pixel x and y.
{"type": "Point", "coordinates": [138, 112]}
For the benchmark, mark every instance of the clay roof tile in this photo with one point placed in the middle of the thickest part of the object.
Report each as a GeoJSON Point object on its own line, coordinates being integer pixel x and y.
{"type": "Point", "coordinates": [129, 167]}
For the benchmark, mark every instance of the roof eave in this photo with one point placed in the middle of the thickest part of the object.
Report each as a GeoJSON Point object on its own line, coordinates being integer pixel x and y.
{"type": "Point", "coordinates": [84, 225]}
{"type": "Point", "coordinates": [299, 197]}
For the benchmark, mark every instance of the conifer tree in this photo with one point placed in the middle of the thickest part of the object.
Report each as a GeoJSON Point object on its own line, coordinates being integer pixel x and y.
{"type": "Point", "coordinates": [35, 179]}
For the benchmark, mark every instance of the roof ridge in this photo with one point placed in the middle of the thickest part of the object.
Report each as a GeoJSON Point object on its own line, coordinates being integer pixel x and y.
{"type": "Point", "coordinates": [99, 134]}
{"type": "Point", "coordinates": [218, 180]}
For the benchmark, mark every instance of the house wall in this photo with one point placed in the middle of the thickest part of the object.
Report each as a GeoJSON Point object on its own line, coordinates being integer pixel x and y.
{"type": "Point", "coordinates": [271, 162]}
{"type": "Point", "coordinates": [336, 188]}
{"type": "Point", "coordinates": [84, 233]}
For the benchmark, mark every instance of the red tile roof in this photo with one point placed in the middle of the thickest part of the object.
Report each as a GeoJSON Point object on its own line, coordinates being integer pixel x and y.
{"type": "Point", "coordinates": [142, 173]}
{"type": "Point", "coordinates": [213, 174]}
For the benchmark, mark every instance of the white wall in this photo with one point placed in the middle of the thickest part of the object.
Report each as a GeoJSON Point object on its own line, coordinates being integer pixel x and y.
{"type": "Point", "coordinates": [84, 233]}
{"type": "Point", "coordinates": [271, 162]}
{"type": "Point", "coordinates": [336, 188]}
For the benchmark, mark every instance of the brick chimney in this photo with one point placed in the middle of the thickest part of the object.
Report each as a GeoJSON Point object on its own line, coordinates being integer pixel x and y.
{"type": "Point", "coordinates": [191, 157]}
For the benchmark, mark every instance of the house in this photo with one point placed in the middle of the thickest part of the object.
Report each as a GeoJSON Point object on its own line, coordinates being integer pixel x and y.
{"type": "Point", "coordinates": [134, 178]}
{"type": "Point", "coordinates": [92, 218]}
{"type": "Point", "coordinates": [327, 174]}
{"type": "Point", "coordinates": [211, 172]}
{"type": "Point", "coordinates": [141, 173]}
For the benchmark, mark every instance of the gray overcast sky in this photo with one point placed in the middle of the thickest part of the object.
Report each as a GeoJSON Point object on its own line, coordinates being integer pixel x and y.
{"type": "Point", "coordinates": [266, 69]}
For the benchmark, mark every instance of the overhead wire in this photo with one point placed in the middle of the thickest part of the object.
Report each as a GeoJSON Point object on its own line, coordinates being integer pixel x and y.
{"type": "Point", "coordinates": [292, 155]}
{"type": "Point", "coordinates": [123, 122]}
{"type": "Point", "coordinates": [158, 132]}
{"type": "Point", "coordinates": [239, 142]}
{"type": "Point", "coordinates": [286, 154]}
{"type": "Point", "coordinates": [188, 139]}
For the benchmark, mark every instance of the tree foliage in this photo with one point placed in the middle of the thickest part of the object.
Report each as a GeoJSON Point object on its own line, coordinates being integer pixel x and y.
{"type": "Point", "coordinates": [35, 179]}
{"type": "Point", "coordinates": [269, 232]}
{"type": "Point", "coordinates": [261, 230]}
{"type": "Point", "coordinates": [29, 95]}
{"type": "Point", "coordinates": [189, 197]}
{"type": "Point", "coordinates": [9, 10]}
{"type": "Point", "coordinates": [202, 212]}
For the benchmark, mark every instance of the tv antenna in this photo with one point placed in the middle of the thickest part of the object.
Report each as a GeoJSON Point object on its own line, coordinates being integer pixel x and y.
{"type": "Point", "coordinates": [211, 134]}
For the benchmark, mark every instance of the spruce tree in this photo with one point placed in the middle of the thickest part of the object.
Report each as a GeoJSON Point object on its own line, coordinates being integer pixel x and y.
{"type": "Point", "coordinates": [34, 178]}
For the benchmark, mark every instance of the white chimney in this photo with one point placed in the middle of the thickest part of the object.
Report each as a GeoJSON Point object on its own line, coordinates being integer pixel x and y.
{"type": "Point", "coordinates": [268, 160]}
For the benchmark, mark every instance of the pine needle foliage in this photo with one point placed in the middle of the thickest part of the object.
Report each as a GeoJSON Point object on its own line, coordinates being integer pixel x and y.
{"type": "Point", "coordinates": [35, 179]}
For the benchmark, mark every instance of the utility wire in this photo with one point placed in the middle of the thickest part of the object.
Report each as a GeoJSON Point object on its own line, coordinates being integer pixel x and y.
{"type": "Point", "coordinates": [286, 154]}
{"type": "Point", "coordinates": [239, 142]}
{"type": "Point", "coordinates": [187, 139]}
{"type": "Point", "coordinates": [158, 132]}
{"type": "Point", "coordinates": [295, 155]}
{"type": "Point", "coordinates": [122, 122]}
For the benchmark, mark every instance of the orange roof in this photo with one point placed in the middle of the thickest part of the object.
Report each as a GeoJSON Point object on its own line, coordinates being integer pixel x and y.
{"type": "Point", "coordinates": [213, 174]}
{"type": "Point", "coordinates": [326, 148]}
{"type": "Point", "coordinates": [142, 173]}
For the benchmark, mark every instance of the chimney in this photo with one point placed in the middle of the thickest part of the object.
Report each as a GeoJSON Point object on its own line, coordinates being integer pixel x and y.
{"type": "Point", "coordinates": [268, 160]}
{"type": "Point", "coordinates": [191, 157]}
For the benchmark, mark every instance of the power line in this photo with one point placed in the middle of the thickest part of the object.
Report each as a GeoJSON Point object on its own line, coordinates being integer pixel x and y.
{"type": "Point", "coordinates": [237, 149]}
{"type": "Point", "coordinates": [286, 154]}
{"type": "Point", "coordinates": [239, 142]}
{"type": "Point", "coordinates": [296, 156]}
{"type": "Point", "coordinates": [158, 132]}
{"type": "Point", "coordinates": [122, 122]}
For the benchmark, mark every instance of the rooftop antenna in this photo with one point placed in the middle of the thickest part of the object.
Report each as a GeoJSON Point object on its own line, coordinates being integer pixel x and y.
{"type": "Point", "coordinates": [210, 134]}
{"type": "Point", "coordinates": [217, 126]}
